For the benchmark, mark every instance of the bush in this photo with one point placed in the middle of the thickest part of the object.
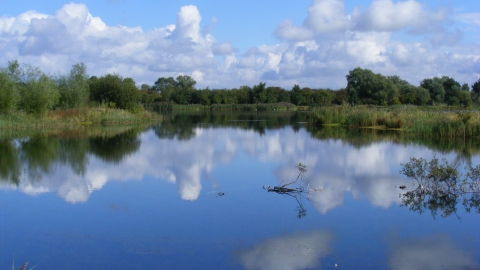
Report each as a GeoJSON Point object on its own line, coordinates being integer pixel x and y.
{"type": "Point", "coordinates": [39, 95]}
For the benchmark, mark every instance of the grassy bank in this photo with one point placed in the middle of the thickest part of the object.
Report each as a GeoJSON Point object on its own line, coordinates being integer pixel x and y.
{"type": "Point", "coordinates": [409, 119]}
{"type": "Point", "coordinates": [75, 117]}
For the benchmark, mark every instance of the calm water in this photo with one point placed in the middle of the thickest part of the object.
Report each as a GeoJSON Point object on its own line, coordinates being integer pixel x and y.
{"type": "Point", "coordinates": [148, 198]}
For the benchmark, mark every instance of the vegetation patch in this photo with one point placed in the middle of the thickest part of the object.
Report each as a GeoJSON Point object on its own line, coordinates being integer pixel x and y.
{"type": "Point", "coordinates": [409, 119]}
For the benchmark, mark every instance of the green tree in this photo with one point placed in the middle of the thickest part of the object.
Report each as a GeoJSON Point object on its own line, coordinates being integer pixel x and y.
{"type": "Point", "coordinates": [244, 95]}
{"type": "Point", "coordinates": [185, 87]}
{"type": "Point", "coordinates": [476, 89]}
{"type": "Point", "coordinates": [435, 88]}
{"type": "Point", "coordinates": [115, 90]}
{"type": "Point", "coordinates": [38, 92]}
{"type": "Point", "coordinates": [259, 93]}
{"type": "Point", "coordinates": [296, 96]}
{"type": "Point", "coordinates": [74, 90]}
{"type": "Point", "coordinates": [166, 87]}
{"type": "Point", "coordinates": [203, 96]}
{"type": "Point", "coordinates": [322, 97]}
{"type": "Point", "coordinates": [8, 93]}
{"type": "Point", "coordinates": [367, 87]}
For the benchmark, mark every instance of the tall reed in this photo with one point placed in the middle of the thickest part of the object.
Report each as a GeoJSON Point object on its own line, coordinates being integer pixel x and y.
{"type": "Point", "coordinates": [408, 119]}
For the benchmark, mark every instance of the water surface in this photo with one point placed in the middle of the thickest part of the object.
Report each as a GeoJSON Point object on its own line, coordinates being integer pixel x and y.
{"type": "Point", "coordinates": [148, 198]}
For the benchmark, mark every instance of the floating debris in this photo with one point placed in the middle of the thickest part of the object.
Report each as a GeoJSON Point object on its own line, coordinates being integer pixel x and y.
{"type": "Point", "coordinates": [216, 193]}
{"type": "Point", "coordinates": [295, 192]}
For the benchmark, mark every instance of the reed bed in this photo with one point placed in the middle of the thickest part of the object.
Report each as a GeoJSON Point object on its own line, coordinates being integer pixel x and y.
{"type": "Point", "coordinates": [75, 117]}
{"type": "Point", "coordinates": [408, 119]}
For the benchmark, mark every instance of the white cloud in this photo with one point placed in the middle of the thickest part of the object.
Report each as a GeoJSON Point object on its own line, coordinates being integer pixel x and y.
{"type": "Point", "coordinates": [327, 16]}
{"type": "Point", "coordinates": [390, 37]}
{"type": "Point", "coordinates": [225, 48]}
{"type": "Point", "coordinates": [286, 30]}
{"type": "Point", "coordinates": [386, 15]}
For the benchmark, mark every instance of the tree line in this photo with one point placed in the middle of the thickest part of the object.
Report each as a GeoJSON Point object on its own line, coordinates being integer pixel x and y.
{"type": "Point", "coordinates": [27, 88]}
{"type": "Point", "coordinates": [363, 87]}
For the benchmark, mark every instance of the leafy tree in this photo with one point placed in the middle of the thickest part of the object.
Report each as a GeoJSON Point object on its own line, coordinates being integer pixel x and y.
{"type": "Point", "coordinates": [244, 95]}
{"type": "Point", "coordinates": [296, 96]}
{"type": "Point", "coordinates": [8, 93]}
{"type": "Point", "coordinates": [322, 97]}
{"type": "Point", "coordinates": [452, 87]}
{"type": "Point", "coordinates": [367, 87]}
{"type": "Point", "coordinates": [421, 96]}
{"type": "Point", "coordinates": [166, 87]}
{"type": "Point", "coordinates": [284, 96]}
{"type": "Point", "coordinates": [203, 96]}
{"type": "Point", "coordinates": [476, 89]}
{"type": "Point", "coordinates": [435, 88]}
{"type": "Point", "coordinates": [74, 90]}
{"type": "Point", "coordinates": [272, 94]}
{"type": "Point", "coordinates": [113, 89]}
{"type": "Point", "coordinates": [184, 89]}
{"type": "Point", "coordinates": [145, 87]}
{"type": "Point", "coordinates": [341, 97]}
{"type": "Point", "coordinates": [259, 93]}
{"type": "Point", "coordinates": [38, 92]}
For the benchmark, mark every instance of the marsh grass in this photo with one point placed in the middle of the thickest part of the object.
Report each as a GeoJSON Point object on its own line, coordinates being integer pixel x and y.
{"type": "Point", "coordinates": [408, 119]}
{"type": "Point", "coordinates": [76, 117]}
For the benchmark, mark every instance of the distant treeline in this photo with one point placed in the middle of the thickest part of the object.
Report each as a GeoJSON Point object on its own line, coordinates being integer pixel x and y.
{"type": "Point", "coordinates": [27, 88]}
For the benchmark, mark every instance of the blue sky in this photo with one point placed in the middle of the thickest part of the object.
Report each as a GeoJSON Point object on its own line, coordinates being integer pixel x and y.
{"type": "Point", "coordinates": [313, 43]}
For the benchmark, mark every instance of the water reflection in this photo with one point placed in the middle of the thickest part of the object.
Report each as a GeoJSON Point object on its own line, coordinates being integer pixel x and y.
{"type": "Point", "coordinates": [364, 165]}
{"type": "Point", "coordinates": [147, 225]}
{"type": "Point", "coordinates": [429, 252]}
{"type": "Point", "coordinates": [295, 251]}
{"type": "Point", "coordinates": [438, 186]}
{"type": "Point", "coordinates": [45, 163]}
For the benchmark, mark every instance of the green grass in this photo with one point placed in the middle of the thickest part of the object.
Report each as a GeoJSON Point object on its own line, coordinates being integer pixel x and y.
{"type": "Point", "coordinates": [408, 119]}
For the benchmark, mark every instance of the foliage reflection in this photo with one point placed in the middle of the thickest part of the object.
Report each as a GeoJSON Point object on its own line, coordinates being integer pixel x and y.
{"type": "Point", "coordinates": [439, 187]}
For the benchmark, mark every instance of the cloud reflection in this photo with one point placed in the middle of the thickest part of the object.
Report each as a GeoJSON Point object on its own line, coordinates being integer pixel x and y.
{"type": "Point", "coordinates": [370, 171]}
{"type": "Point", "coordinates": [434, 252]}
{"type": "Point", "coordinates": [297, 251]}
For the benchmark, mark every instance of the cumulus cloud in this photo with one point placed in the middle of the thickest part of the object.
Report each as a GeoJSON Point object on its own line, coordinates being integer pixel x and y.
{"type": "Point", "coordinates": [390, 37]}
{"type": "Point", "coordinates": [286, 30]}
{"type": "Point", "coordinates": [225, 48]}
{"type": "Point", "coordinates": [327, 16]}
{"type": "Point", "coordinates": [386, 15]}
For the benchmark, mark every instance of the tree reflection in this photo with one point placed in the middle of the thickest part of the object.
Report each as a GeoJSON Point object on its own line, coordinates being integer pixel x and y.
{"type": "Point", "coordinates": [38, 155]}
{"type": "Point", "coordinates": [439, 187]}
{"type": "Point", "coordinates": [116, 148]}
{"type": "Point", "coordinates": [9, 162]}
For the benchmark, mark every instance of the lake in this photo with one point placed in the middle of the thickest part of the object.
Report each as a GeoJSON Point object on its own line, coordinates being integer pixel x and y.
{"type": "Point", "coordinates": [192, 193]}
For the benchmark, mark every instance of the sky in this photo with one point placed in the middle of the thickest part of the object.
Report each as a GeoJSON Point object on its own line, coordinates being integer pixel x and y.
{"type": "Point", "coordinates": [227, 44]}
